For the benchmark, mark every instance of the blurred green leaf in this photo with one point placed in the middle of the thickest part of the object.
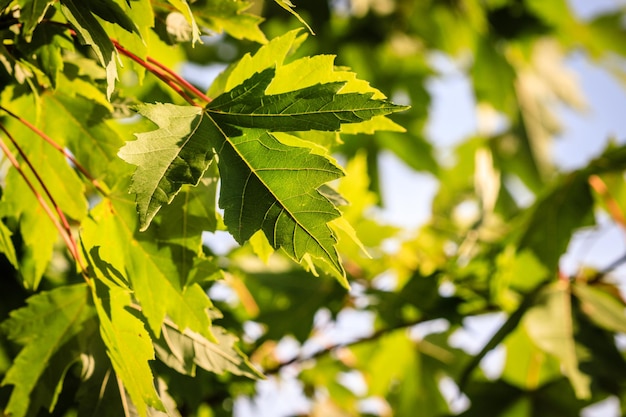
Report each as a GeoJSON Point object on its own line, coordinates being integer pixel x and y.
{"type": "Point", "coordinates": [603, 308]}
{"type": "Point", "coordinates": [549, 323]}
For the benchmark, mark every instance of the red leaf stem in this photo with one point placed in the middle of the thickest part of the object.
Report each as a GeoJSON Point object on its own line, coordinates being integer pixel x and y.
{"type": "Point", "coordinates": [181, 80]}
{"type": "Point", "coordinates": [58, 147]}
{"type": "Point", "coordinates": [62, 226]}
{"type": "Point", "coordinates": [164, 73]}
{"type": "Point", "coordinates": [164, 76]}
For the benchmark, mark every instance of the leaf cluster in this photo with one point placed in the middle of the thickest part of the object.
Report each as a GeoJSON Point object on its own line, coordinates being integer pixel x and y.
{"type": "Point", "coordinates": [131, 286]}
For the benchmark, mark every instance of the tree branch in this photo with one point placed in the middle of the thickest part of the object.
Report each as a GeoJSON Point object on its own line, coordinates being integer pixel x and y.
{"type": "Point", "coordinates": [374, 336]}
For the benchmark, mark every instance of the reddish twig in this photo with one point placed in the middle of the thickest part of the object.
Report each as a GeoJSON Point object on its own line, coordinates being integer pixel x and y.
{"type": "Point", "coordinates": [62, 226]}
{"type": "Point", "coordinates": [58, 147]}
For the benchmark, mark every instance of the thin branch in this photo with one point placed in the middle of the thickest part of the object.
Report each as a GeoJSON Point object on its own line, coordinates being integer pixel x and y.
{"type": "Point", "coordinates": [613, 265]}
{"type": "Point", "coordinates": [59, 148]}
{"type": "Point", "coordinates": [63, 225]}
{"type": "Point", "coordinates": [507, 327]}
{"type": "Point", "coordinates": [329, 349]}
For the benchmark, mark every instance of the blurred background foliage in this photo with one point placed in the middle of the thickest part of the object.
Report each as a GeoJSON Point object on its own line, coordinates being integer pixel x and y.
{"type": "Point", "coordinates": [501, 219]}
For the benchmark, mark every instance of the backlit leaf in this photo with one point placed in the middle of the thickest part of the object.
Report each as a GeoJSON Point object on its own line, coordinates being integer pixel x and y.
{"type": "Point", "coordinates": [32, 12]}
{"type": "Point", "coordinates": [318, 107]}
{"type": "Point", "coordinates": [176, 154]}
{"type": "Point", "coordinates": [266, 185]}
{"type": "Point", "coordinates": [232, 18]}
{"type": "Point", "coordinates": [549, 324]}
{"type": "Point", "coordinates": [257, 196]}
{"type": "Point", "coordinates": [153, 274]}
{"type": "Point", "coordinates": [567, 206]}
{"type": "Point", "coordinates": [90, 32]}
{"type": "Point", "coordinates": [128, 346]}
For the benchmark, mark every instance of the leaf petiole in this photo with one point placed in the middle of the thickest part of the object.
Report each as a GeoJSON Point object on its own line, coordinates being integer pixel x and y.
{"type": "Point", "coordinates": [61, 222]}
{"type": "Point", "coordinates": [167, 76]}
{"type": "Point", "coordinates": [59, 148]}
{"type": "Point", "coordinates": [180, 79]}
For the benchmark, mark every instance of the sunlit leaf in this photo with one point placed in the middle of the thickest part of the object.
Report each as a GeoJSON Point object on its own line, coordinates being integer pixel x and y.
{"type": "Point", "coordinates": [129, 346]}
{"type": "Point", "coordinates": [157, 279]}
{"type": "Point", "coordinates": [91, 33]}
{"type": "Point", "coordinates": [256, 194]}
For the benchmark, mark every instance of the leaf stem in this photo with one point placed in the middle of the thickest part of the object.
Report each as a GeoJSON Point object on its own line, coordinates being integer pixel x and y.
{"type": "Point", "coordinates": [180, 79]}
{"type": "Point", "coordinates": [327, 350]}
{"type": "Point", "coordinates": [161, 71]}
{"type": "Point", "coordinates": [165, 76]}
{"type": "Point", "coordinates": [62, 225]}
{"type": "Point", "coordinates": [59, 148]}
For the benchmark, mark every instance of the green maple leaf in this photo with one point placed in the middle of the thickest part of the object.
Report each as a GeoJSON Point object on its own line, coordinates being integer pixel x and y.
{"type": "Point", "coordinates": [44, 326]}
{"type": "Point", "coordinates": [149, 267]}
{"type": "Point", "coordinates": [318, 107]}
{"type": "Point", "coordinates": [273, 187]}
{"type": "Point", "coordinates": [266, 185]}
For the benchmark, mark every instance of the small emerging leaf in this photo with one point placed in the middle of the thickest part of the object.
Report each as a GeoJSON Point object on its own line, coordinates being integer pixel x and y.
{"type": "Point", "coordinates": [289, 6]}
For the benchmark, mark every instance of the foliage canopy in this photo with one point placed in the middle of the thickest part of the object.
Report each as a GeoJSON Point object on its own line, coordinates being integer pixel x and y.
{"type": "Point", "coordinates": [118, 174]}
